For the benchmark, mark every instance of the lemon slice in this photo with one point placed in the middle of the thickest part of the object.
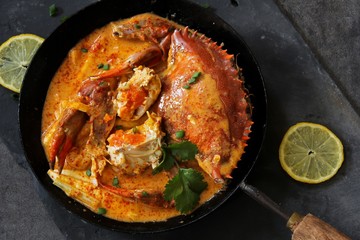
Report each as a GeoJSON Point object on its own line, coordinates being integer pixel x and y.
{"type": "Point", "coordinates": [311, 153]}
{"type": "Point", "coordinates": [15, 56]}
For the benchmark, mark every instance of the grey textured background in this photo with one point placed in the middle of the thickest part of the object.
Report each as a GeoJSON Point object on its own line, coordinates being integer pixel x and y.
{"type": "Point", "coordinates": [309, 55]}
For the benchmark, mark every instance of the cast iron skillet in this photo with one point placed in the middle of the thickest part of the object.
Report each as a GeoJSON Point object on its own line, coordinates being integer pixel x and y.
{"type": "Point", "coordinates": [52, 53]}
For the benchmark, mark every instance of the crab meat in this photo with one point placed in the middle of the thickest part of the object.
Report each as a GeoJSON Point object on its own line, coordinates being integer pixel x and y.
{"type": "Point", "coordinates": [137, 94]}
{"type": "Point", "coordinates": [135, 149]}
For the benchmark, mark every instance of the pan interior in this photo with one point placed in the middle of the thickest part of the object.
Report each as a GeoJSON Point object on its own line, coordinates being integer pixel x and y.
{"type": "Point", "coordinates": [53, 51]}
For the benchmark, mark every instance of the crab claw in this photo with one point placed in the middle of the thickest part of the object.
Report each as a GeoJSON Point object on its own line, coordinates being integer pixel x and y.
{"type": "Point", "coordinates": [60, 137]}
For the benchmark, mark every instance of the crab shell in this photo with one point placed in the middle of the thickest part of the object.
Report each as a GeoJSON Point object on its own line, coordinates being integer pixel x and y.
{"type": "Point", "coordinates": [212, 110]}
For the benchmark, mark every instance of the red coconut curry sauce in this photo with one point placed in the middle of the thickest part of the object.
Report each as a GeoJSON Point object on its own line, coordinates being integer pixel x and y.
{"type": "Point", "coordinates": [107, 162]}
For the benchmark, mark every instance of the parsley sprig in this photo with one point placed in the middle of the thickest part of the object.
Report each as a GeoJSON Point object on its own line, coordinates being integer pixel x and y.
{"type": "Point", "coordinates": [187, 185]}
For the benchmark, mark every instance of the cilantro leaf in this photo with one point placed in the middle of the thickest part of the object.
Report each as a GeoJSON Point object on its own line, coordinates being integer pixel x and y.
{"type": "Point", "coordinates": [185, 188]}
{"type": "Point", "coordinates": [166, 163]}
{"type": "Point", "coordinates": [183, 151]}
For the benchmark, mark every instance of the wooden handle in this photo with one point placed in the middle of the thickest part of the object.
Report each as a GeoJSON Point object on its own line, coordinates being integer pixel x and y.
{"type": "Point", "coordinates": [312, 228]}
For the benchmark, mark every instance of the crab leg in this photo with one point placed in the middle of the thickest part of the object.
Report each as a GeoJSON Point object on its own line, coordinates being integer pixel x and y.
{"type": "Point", "coordinates": [63, 139]}
{"type": "Point", "coordinates": [87, 192]}
{"type": "Point", "coordinates": [150, 197]}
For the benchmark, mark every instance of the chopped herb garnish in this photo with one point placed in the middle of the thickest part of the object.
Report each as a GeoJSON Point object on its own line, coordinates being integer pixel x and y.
{"type": "Point", "coordinates": [193, 78]}
{"type": "Point", "coordinates": [118, 127]}
{"type": "Point", "coordinates": [64, 18]}
{"type": "Point", "coordinates": [53, 10]}
{"type": "Point", "coordinates": [145, 194]}
{"type": "Point", "coordinates": [196, 74]}
{"type": "Point", "coordinates": [101, 211]}
{"type": "Point", "coordinates": [103, 66]}
{"type": "Point", "coordinates": [115, 182]}
{"type": "Point", "coordinates": [185, 188]}
{"type": "Point", "coordinates": [84, 50]}
{"type": "Point", "coordinates": [205, 5]}
{"type": "Point", "coordinates": [135, 130]}
{"type": "Point", "coordinates": [180, 134]}
{"type": "Point", "coordinates": [106, 67]}
{"type": "Point", "coordinates": [88, 172]}
{"type": "Point", "coordinates": [187, 86]}
{"type": "Point", "coordinates": [137, 26]}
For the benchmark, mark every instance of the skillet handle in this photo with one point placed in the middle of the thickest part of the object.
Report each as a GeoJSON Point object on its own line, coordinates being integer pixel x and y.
{"type": "Point", "coordinates": [310, 227]}
{"type": "Point", "coordinates": [303, 228]}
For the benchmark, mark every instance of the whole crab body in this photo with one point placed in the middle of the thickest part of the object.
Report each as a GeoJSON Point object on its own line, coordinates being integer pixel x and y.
{"type": "Point", "coordinates": [180, 80]}
{"type": "Point", "coordinates": [213, 112]}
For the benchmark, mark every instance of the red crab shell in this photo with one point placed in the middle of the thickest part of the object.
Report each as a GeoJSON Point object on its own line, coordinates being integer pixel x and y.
{"type": "Point", "coordinates": [213, 111]}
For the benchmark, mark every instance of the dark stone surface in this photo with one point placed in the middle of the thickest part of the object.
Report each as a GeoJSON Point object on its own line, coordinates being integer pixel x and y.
{"type": "Point", "coordinates": [331, 29]}
{"type": "Point", "coordinates": [311, 74]}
